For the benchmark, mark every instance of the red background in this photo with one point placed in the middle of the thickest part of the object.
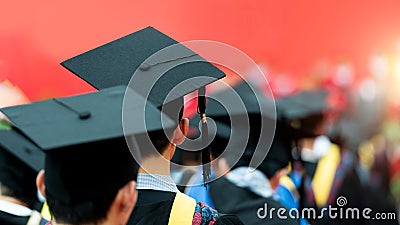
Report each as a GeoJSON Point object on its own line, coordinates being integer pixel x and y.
{"type": "Point", "coordinates": [291, 36]}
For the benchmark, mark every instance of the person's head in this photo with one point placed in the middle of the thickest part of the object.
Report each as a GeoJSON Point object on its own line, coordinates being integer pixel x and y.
{"type": "Point", "coordinates": [239, 129]}
{"type": "Point", "coordinates": [304, 113]}
{"type": "Point", "coordinates": [93, 184]}
{"type": "Point", "coordinates": [274, 164]}
{"type": "Point", "coordinates": [309, 126]}
{"type": "Point", "coordinates": [164, 141]}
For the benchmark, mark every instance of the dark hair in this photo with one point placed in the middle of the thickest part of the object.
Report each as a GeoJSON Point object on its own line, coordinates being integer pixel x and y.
{"type": "Point", "coordinates": [26, 198]}
{"type": "Point", "coordinates": [81, 184]}
{"type": "Point", "coordinates": [219, 144]}
{"type": "Point", "coordinates": [277, 157]}
{"type": "Point", "coordinates": [159, 138]}
{"type": "Point", "coordinates": [94, 211]}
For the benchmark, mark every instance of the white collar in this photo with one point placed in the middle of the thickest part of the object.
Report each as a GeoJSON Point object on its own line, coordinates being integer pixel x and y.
{"type": "Point", "coordinates": [255, 181]}
{"type": "Point", "coordinates": [156, 182]}
{"type": "Point", "coordinates": [14, 209]}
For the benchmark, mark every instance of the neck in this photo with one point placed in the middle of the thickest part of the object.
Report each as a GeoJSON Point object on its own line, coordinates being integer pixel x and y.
{"type": "Point", "coordinates": [13, 200]}
{"type": "Point", "coordinates": [155, 165]}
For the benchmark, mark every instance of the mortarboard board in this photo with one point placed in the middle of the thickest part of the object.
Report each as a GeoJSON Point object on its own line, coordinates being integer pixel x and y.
{"type": "Point", "coordinates": [154, 65]}
{"type": "Point", "coordinates": [301, 105]}
{"type": "Point", "coordinates": [20, 161]}
{"type": "Point", "coordinates": [255, 102]}
{"type": "Point", "coordinates": [84, 140]}
{"type": "Point", "coordinates": [152, 55]}
{"type": "Point", "coordinates": [56, 123]}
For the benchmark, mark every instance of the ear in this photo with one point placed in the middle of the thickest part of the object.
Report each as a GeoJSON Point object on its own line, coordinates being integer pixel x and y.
{"type": "Point", "coordinates": [128, 195]}
{"type": "Point", "coordinates": [181, 131]}
{"type": "Point", "coordinates": [40, 183]}
{"type": "Point", "coordinates": [221, 166]}
{"type": "Point", "coordinates": [124, 202]}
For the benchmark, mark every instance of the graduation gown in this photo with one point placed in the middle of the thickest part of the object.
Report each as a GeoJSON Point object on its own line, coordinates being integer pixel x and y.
{"type": "Point", "coordinates": [229, 198]}
{"type": "Point", "coordinates": [154, 207]}
{"type": "Point", "coordinates": [9, 219]}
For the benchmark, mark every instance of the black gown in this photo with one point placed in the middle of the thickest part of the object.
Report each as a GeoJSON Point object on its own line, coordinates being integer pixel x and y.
{"type": "Point", "coordinates": [9, 219]}
{"type": "Point", "coordinates": [229, 198]}
{"type": "Point", "coordinates": [154, 207]}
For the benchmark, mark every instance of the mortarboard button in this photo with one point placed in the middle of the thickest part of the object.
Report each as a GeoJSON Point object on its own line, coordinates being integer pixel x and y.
{"type": "Point", "coordinates": [27, 150]}
{"type": "Point", "coordinates": [84, 115]}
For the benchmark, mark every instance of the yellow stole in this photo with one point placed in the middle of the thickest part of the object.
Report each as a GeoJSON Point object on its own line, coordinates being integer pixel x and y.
{"type": "Point", "coordinates": [182, 210]}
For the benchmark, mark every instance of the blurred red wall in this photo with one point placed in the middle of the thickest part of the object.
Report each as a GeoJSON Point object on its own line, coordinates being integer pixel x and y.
{"type": "Point", "coordinates": [291, 36]}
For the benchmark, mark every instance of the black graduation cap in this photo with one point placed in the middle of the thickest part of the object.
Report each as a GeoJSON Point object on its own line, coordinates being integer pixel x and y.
{"type": "Point", "coordinates": [151, 56]}
{"type": "Point", "coordinates": [302, 111]}
{"type": "Point", "coordinates": [303, 104]}
{"type": "Point", "coordinates": [84, 140]}
{"type": "Point", "coordinates": [20, 161]}
{"type": "Point", "coordinates": [18, 145]}
{"type": "Point", "coordinates": [242, 100]}
{"type": "Point", "coordinates": [230, 109]}
{"type": "Point", "coordinates": [154, 65]}
{"type": "Point", "coordinates": [278, 156]}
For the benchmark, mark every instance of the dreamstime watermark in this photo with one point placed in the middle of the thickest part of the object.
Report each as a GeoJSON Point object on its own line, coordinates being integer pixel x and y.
{"type": "Point", "coordinates": [330, 212]}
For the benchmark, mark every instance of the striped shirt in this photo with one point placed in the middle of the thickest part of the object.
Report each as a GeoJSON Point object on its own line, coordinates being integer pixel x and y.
{"type": "Point", "coordinates": [156, 182]}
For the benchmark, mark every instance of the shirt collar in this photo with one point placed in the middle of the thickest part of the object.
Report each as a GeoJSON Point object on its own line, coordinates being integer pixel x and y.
{"type": "Point", "coordinates": [156, 182]}
{"type": "Point", "coordinates": [14, 209]}
{"type": "Point", "coordinates": [255, 181]}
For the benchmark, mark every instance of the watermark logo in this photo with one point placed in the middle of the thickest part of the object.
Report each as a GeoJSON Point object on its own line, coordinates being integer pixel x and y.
{"type": "Point", "coordinates": [341, 201]}
{"type": "Point", "coordinates": [330, 212]}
